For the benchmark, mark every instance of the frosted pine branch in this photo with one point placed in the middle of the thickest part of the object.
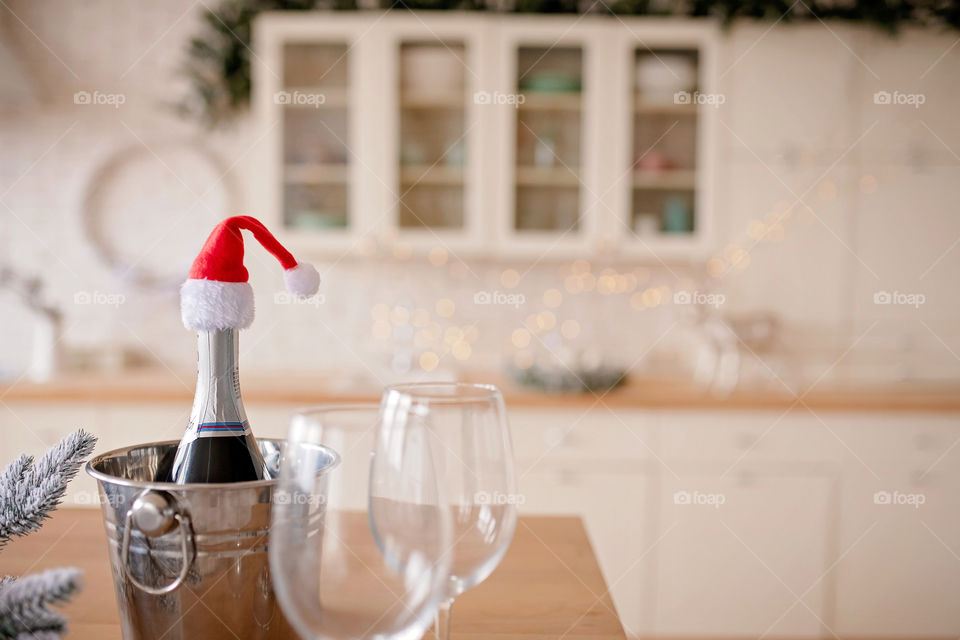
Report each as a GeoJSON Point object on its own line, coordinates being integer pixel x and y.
{"type": "Point", "coordinates": [66, 456]}
{"type": "Point", "coordinates": [29, 492]}
{"type": "Point", "coordinates": [24, 603]}
{"type": "Point", "coordinates": [16, 471]}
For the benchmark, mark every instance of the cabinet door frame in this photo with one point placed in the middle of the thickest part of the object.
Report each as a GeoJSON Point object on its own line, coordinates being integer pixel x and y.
{"type": "Point", "coordinates": [687, 476]}
{"type": "Point", "coordinates": [474, 33]}
{"type": "Point", "coordinates": [513, 32]}
{"type": "Point", "coordinates": [605, 200]}
{"type": "Point", "coordinates": [635, 599]}
{"type": "Point", "coordinates": [272, 31]}
{"type": "Point", "coordinates": [646, 33]}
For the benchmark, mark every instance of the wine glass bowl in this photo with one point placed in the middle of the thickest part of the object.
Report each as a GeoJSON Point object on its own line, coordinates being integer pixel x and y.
{"type": "Point", "coordinates": [470, 437]}
{"type": "Point", "coordinates": [358, 546]}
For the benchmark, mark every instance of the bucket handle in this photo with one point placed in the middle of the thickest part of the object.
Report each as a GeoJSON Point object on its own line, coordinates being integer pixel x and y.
{"type": "Point", "coordinates": [155, 513]}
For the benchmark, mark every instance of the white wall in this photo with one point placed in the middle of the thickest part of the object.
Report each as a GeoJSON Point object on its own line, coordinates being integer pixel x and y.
{"type": "Point", "coordinates": [799, 124]}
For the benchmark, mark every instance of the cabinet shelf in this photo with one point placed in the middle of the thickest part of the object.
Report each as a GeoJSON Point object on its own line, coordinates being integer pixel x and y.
{"type": "Point", "coordinates": [315, 173]}
{"type": "Point", "coordinates": [645, 106]}
{"type": "Point", "coordinates": [431, 175]}
{"type": "Point", "coordinates": [433, 101]}
{"type": "Point", "coordinates": [550, 101]}
{"type": "Point", "coordinates": [676, 179]}
{"type": "Point", "coordinates": [546, 177]}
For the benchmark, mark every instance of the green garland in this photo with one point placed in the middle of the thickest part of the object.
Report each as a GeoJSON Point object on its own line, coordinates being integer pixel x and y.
{"type": "Point", "coordinates": [218, 60]}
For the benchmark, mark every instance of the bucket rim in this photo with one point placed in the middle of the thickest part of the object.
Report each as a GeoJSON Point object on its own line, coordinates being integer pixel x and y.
{"type": "Point", "coordinates": [106, 478]}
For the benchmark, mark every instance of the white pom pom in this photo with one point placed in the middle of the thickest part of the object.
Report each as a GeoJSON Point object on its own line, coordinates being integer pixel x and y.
{"type": "Point", "coordinates": [302, 280]}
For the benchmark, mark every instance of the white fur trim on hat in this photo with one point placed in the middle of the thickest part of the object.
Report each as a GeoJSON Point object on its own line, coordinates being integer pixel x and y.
{"type": "Point", "coordinates": [302, 280]}
{"type": "Point", "coordinates": [209, 305]}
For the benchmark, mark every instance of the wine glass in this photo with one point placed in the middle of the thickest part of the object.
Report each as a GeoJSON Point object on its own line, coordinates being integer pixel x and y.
{"type": "Point", "coordinates": [468, 429]}
{"type": "Point", "coordinates": [360, 530]}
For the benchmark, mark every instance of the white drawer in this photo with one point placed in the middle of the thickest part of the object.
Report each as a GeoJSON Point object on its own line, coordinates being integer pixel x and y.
{"type": "Point", "coordinates": [128, 424]}
{"type": "Point", "coordinates": [914, 439]}
{"type": "Point", "coordinates": [587, 433]}
{"type": "Point", "coordinates": [33, 428]}
{"type": "Point", "coordinates": [751, 436]}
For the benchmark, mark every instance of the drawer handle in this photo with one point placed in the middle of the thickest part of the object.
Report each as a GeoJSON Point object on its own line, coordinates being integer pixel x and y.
{"type": "Point", "coordinates": [554, 437]}
{"type": "Point", "coordinates": [746, 440]}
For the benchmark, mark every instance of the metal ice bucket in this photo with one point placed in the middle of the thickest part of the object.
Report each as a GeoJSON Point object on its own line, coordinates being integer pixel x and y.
{"type": "Point", "coordinates": [190, 561]}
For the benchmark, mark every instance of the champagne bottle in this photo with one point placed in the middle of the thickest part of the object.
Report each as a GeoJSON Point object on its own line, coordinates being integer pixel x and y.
{"type": "Point", "coordinates": [218, 445]}
{"type": "Point", "coordinates": [216, 301]}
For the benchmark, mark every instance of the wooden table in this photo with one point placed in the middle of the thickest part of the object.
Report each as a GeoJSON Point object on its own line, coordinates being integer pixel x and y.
{"type": "Point", "coordinates": [547, 587]}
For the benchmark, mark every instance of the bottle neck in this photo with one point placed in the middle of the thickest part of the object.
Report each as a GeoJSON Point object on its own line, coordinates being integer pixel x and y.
{"type": "Point", "coordinates": [217, 405]}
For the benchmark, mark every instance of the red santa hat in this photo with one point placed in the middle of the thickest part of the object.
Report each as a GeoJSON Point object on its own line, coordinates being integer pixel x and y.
{"type": "Point", "coordinates": [217, 295]}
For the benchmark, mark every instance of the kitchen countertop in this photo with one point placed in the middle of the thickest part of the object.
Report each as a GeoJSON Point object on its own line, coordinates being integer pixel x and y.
{"type": "Point", "coordinates": [150, 385]}
{"type": "Point", "coordinates": [547, 586]}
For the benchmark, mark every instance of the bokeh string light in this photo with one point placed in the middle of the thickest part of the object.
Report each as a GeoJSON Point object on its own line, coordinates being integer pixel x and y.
{"type": "Point", "coordinates": [435, 334]}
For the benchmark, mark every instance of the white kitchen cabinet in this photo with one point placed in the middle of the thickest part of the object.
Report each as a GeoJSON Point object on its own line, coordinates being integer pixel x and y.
{"type": "Point", "coordinates": [746, 503]}
{"type": "Point", "coordinates": [899, 530]}
{"type": "Point", "coordinates": [547, 162]}
{"type": "Point", "coordinates": [918, 333]}
{"type": "Point", "coordinates": [438, 126]}
{"type": "Point", "coordinates": [482, 134]}
{"type": "Point", "coordinates": [124, 425]}
{"type": "Point", "coordinates": [596, 463]}
{"type": "Point", "coordinates": [33, 428]}
{"type": "Point", "coordinates": [311, 83]}
{"type": "Point", "coordinates": [270, 420]}
{"type": "Point", "coordinates": [798, 518]}
{"type": "Point", "coordinates": [682, 130]}
{"type": "Point", "coordinates": [901, 575]}
{"type": "Point", "coordinates": [917, 70]}
{"type": "Point", "coordinates": [410, 148]}
{"type": "Point", "coordinates": [581, 434]}
{"type": "Point", "coordinates": [789, 95]}
{"type": "Point", "coordinates": [737, 552]}
{"type": "Point", "coordinates": [770, 200]}
{"type": "Point", "coordinates": [614, 502]}
{"type": "Point", "coordinates": [733, 440]}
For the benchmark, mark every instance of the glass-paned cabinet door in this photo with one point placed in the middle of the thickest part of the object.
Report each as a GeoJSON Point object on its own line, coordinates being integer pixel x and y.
{"type": "Point", "coordinates": [664, 144]}
{"type": "Point", "coordinates": [433, 141]}
{"type": "Point", "coordinates": [316, 142]}
{"type": "Point", "coordinates": [548, 155]}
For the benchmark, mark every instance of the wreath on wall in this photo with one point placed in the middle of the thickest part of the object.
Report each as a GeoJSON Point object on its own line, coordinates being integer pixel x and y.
{"type": "Point", "coordinates": [218, 59]}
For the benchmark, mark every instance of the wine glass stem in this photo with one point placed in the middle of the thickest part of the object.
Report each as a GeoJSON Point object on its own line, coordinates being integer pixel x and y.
{"type": "Point", "coordinates": [442, 623]}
